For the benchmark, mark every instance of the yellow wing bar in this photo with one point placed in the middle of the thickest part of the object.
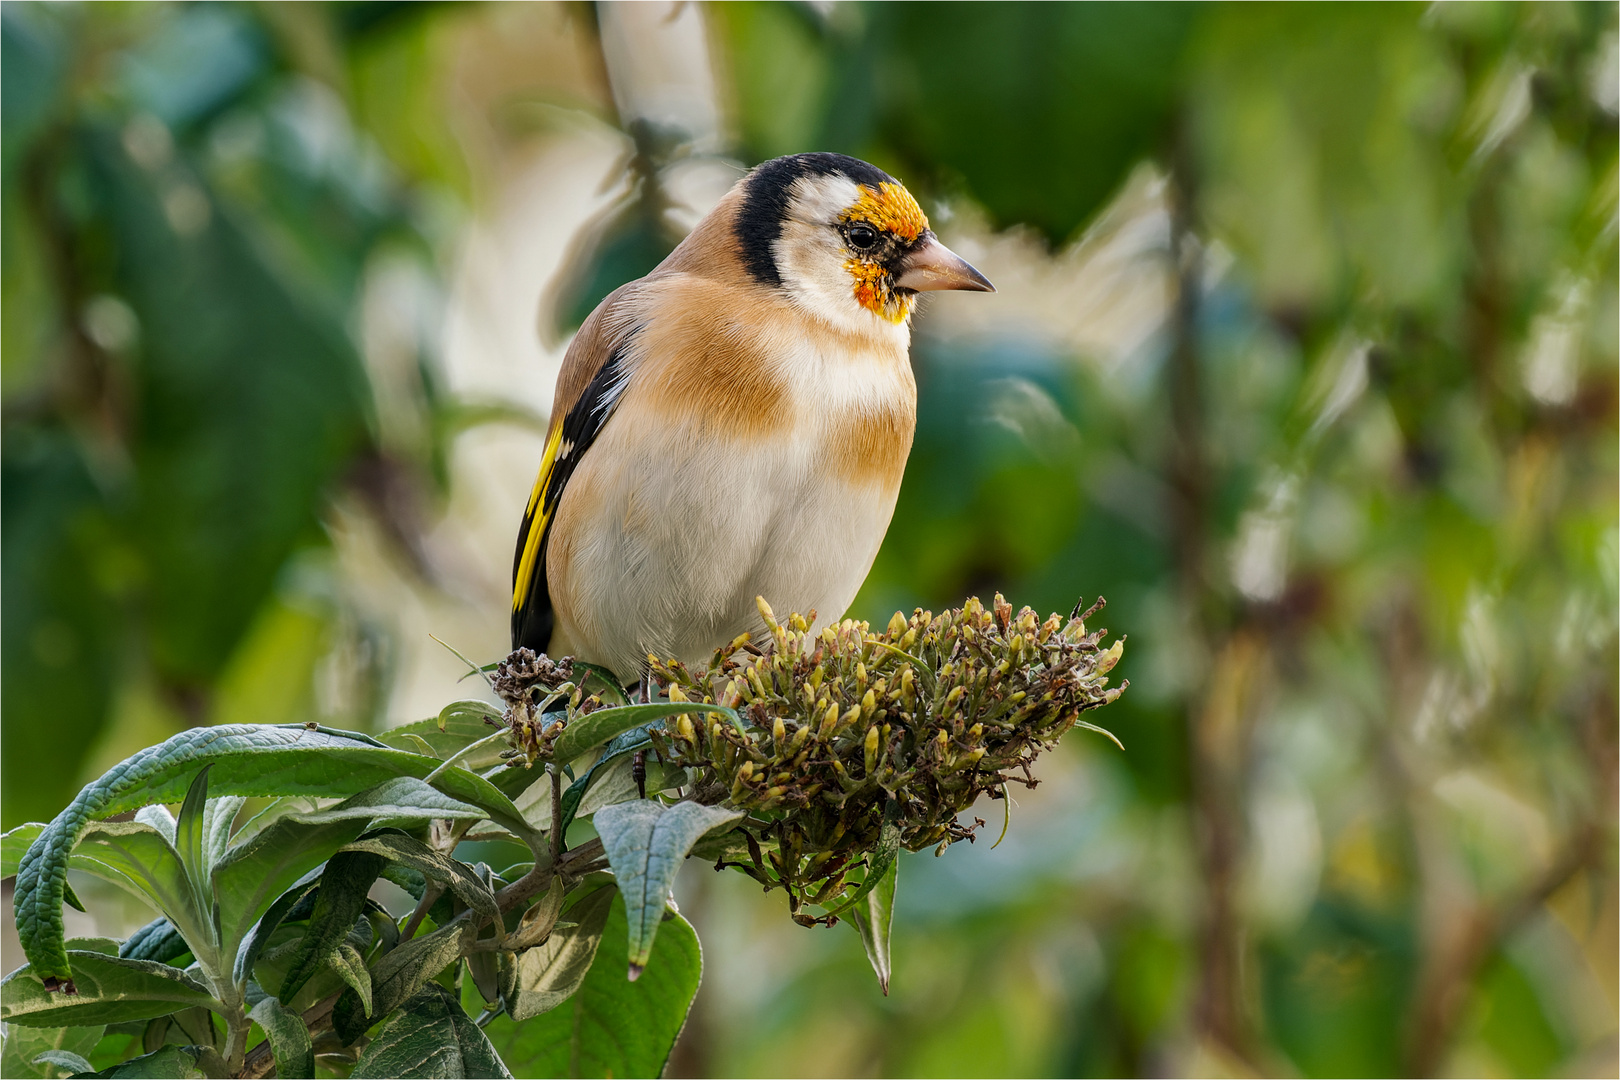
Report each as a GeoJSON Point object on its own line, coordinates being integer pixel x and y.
{"type": "Point", "coordinates": [535, 519]}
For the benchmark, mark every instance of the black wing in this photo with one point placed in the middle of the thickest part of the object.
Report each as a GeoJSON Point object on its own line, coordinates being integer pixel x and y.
{"type": "Point", "coordinates": [532, 616]}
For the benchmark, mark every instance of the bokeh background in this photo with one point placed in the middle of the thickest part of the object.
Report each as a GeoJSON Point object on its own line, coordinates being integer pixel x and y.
{"type": "Point", "coordinates": [1304, 356]}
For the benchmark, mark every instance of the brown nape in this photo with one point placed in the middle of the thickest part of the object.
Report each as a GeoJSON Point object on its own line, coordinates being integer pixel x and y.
{"type": "Point", "coordinates": [711, 249]}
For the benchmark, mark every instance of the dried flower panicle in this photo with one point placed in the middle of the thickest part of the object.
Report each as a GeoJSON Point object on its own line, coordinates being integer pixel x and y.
{"type": "Point", "coordinates": [847, 729]}
{"type": "Point", "coordinates": [527, 684]}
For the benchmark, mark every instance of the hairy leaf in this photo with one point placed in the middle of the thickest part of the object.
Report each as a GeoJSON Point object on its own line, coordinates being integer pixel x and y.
{"type": "Point", "coordinates": [136, 857]}
{"type": "Point", "coordinates": [289, 1038]}
{"type": "Point", "coordinates": [66, 1060]}
{"type": "Point", "coordinates": [598, 727]}
{"type": "Point", "coordinates": [396, 847]}
{"type": "Point", "coordinates": [398, 976]}
{"type": "Point", "coordinates": [338, 903]}
{"type": "Point", "coordinates": [458, 725]}
{"type": "Point", "coordinates": [158, 940]}
{"type": "Point", "coordinates": [281, 853]}
{"type": "Point", "coordinates": [645, 844]}
{"type": "Point", "coordinates": [611, 1027]}
{"type": "Point", "coordinates": [550, 973]}
{"type": "Point", "coordinates": [166, 1063]}
{"type": "Point", "coordinates": [24, 1046]}
{"type": "Point", "coordinates": [538, 920]}
{"type": "Point", "coordinates": [14, 842]}
{"type": "Point", "coordinates": [188, 834]}
{"type": "Point", "coordinates": [430, 1036]}
{"type": "Point", "coordinates": [248, 953]}
{"type": "Point", "coordinates": [218, 817]}
{"type": "Point", "coordinates": [618, 748]}
{"type": "Point", "coordinates": [872, 918]}
{"type": "Point", "coordinates": [111, 990]}
{"type": "Point", "coordinates": [882, 857]}
{"type": "Point", "coordinates": [249, 759]}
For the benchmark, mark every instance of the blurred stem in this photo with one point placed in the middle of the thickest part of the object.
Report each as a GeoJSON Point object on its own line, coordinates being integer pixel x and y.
{"type": "Point", "coordinates": [1216, 712]}
{"type": "Point", "coordinates": [1456, 951]}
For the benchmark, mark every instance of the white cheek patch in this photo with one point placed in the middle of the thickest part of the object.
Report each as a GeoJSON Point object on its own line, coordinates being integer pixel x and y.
{"type": "Point", "coordinates": [810, 254]}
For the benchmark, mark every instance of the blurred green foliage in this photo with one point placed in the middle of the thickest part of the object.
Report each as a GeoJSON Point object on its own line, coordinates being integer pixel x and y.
{"type": "Point", "coordinates": [1352, 494]}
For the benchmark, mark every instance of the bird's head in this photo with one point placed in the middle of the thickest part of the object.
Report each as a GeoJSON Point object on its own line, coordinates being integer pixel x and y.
{"type": "Point", "coordinates": [844, 239]}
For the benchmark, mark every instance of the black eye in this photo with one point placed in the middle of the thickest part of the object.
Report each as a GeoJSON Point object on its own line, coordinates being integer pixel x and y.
{"type": "Point", "coordinates": [862, 237]}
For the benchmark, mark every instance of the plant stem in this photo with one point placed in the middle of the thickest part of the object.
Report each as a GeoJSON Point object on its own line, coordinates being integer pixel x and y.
{"type": "Point", "coordinates": [430, 894]}
{"type": "Point", "coordinates": [236, 1037]}
{"type": "Point", "coordinates": [556, 814]}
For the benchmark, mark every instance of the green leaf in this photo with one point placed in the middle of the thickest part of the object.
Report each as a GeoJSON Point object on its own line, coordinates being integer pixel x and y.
{"type": "Point", "coordinates": [399, 975]}
{"type": "Point", "coordinates": [611, 1027]}
{"type": "Point", "coordinates": [111, 990]}
{"type": "Point", "coordinates": [66, 1060]}
{"type": "Point", "coordinates": [458, 725]}
{"type": "Point", "coordinates": [23, 1046]}
{"type": "Point", "coordinates": [165, 1064]}
{"type": "Point", "coordinates": [289, 1038]}
{"type": "Point", "coordinates": [351, 968]}
{"type": "Point", "coordinates": [549, 974]}
{"type": "Point", "coordinates": [188, 832]}
{"type": "Point", "coordinates": [396, 847]}
{"type": "Point", "coordinates": [430, 1036]}
{"type": "Point", "coordinates": [609, 681]}
{"type": "Point", "coordinates": [13, 843]}
{"type": "Point", "coordinates": [248, 953]}
{"type": "Point", "coordinates": [136, 857]}
{"type": "Point", "coordinates": [618, 748]}
{"type": "Point", "coordinates": [881, 858]}
{"type": "Point", "coordinates": [338, 903]}
{"type": "Point", "coordinates": [158, 940]}
{"type": "Point", "coordinates": [872, 919]}
{"type": "Point", "coordinates": [249, 759]}
{"type": "Point", "coordinates": [159, 818]}
{"type": "Point", "coordinates": [279, 854]}
{"type": "Point", "coordinates": [218, 817]}
{"type": "Point", "coordinates": [593, 729]}
{"type": "Point", "coordinates": [536, 922]}
{"type": "Point", "coordinates": [645, 844]}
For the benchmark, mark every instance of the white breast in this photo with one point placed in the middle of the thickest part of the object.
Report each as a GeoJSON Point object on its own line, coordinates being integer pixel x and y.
{"type": "Point", "coordinates": [669, 529]}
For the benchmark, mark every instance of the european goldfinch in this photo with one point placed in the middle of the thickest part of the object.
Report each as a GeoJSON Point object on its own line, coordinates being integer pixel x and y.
{"type": "Point", "coordinates": [733, 425]}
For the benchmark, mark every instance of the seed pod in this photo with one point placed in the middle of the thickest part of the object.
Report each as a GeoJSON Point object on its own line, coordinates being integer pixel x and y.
{"type": "Point", "coordinates": [829, 722]}
{"type": "Point", "coordinates": [1106, 662]}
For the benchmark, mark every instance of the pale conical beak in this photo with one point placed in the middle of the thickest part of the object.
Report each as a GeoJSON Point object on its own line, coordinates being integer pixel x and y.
{"type": "Point", "coordinates": [934, 267]}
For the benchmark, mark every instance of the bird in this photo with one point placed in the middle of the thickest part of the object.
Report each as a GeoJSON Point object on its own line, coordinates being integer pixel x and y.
{"type": "Point", "coordinates": [734, 425]}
